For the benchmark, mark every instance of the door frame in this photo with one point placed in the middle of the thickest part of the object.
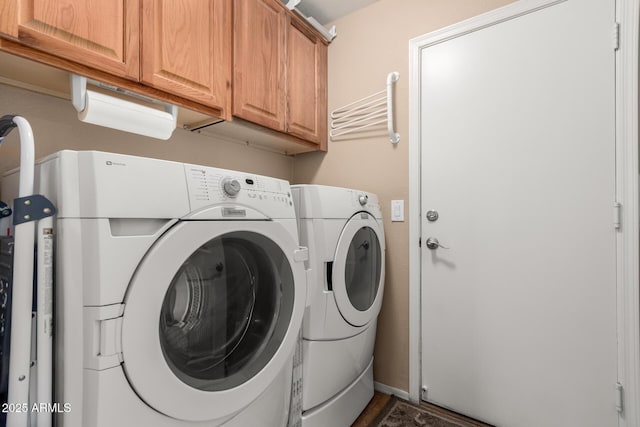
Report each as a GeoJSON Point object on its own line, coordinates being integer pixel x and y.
{"type": "Point", "coordinates": [627, 187]}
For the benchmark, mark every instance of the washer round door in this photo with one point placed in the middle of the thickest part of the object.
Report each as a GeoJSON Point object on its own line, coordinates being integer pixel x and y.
{"type": "Point", "coordinates": [358, 269]}
{"type": "Point", "coordinates": [212, 316]}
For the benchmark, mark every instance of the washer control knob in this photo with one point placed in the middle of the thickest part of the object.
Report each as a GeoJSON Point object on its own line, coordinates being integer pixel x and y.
{"type": "Point", "coordinates": [363, 199]}
{"type": "Point", "coordinates": [231, 187]}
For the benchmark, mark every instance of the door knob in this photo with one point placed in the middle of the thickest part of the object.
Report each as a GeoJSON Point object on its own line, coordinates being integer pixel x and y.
{"type": "Point", "coordinates": [432, 243]}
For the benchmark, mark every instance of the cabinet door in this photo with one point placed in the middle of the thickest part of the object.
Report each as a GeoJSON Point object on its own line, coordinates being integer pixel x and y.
{"type": "Point", "coordinates": [100, 34]}
{"type": "Point", "coordinates": [259, 52]}
{"type": "Point", "coordinates": [186, 49]}
{"type": "Point", "coordinates": [306, 85]}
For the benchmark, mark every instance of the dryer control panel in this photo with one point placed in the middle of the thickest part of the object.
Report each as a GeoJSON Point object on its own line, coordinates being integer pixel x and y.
{"type": "Point", "coordinates": [232, 192]}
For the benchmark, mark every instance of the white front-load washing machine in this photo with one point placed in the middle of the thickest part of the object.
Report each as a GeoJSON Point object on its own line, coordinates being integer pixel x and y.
{"type": "Point", "coordinates": [344, 233]}
{"type": "Point", "coordinates": [179, 292]}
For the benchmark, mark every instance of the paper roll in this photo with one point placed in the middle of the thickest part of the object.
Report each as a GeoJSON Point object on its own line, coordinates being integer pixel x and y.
{"type": "Point", "coordinates": [116, 113]}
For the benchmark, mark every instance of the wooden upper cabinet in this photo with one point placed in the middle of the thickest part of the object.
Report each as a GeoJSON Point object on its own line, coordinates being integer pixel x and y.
{"type": "Point", "coordinates": [252, 59]}
{"type": "Point", "coordinates": [306, 85]}
{"type": "Point", "coordinates": [259, 52]}
{"type": "Point", "coordinates": [100, 34]}
{"type": "Point", "coordinates": [280, 71]}
{"type": "Point", "coordinates": [186, 49]}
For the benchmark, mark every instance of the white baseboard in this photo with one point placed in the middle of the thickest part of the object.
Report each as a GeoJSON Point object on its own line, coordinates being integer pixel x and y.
{"type": "Point", "coordinates": [383, 388]}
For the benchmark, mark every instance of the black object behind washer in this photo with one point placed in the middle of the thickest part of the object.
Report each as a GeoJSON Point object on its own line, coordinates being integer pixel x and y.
{"type": "Point", "coordinates": [6, 281]}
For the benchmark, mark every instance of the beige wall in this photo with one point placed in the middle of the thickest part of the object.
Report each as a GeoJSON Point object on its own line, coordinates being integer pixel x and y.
{"type": "Point", "coordinates": [56, 127]}
{"type": "Point", "coordinates": [371, 43]}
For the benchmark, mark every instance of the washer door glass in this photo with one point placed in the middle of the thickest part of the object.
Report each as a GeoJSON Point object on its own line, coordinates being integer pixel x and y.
{"type": "Point", "coordinates": [362, 268]}
{"type": "Point", "coordinates": [226, 311]}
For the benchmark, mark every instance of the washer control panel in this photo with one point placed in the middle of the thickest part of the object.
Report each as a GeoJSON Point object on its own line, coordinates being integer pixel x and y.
{"type": "Point", "coordinates": [210, 186]}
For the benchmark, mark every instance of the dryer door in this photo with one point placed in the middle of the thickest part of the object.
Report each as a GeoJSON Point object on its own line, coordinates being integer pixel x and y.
{"type": "Point", "coordinates": [358, 269]}
{"type": "Point", "coordinates": [212, 316]}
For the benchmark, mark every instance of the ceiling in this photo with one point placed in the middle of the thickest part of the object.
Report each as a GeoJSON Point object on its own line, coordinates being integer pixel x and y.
{"type": "Point", "coordinates": [325, 11]}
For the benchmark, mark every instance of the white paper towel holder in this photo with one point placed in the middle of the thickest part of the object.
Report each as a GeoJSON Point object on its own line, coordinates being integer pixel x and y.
{"type": "Point", "coordinates": [116, 113]}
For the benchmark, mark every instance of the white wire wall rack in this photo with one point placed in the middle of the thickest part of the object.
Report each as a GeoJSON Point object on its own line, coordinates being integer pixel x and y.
{"type": "Point", "coordinates": [372, 110]}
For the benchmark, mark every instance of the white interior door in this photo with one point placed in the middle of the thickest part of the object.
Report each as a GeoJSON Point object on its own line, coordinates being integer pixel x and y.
{"type": "Point", "coordinates": [518, 159]}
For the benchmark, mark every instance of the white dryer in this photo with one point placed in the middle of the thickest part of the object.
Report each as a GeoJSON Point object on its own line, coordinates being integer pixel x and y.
{"type": "Point", "coordinates": [180, 292]}
{"type": "Point", "coordinates": [344, 233]}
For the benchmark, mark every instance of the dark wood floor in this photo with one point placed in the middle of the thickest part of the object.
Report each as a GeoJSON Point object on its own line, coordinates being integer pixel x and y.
{"type": "Point", "coordinates": [380, 401]}
{"type": "Point", "coordinates": [372, 410]}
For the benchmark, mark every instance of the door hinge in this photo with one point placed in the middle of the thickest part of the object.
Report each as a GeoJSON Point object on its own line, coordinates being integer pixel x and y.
{"type": "Point", "coordinates": [103, 336]}
{"type": "Point", "coordinates": [616, 215]}
{"type": "Point", "coordinates": [616, 35]}
{"type": "Point", "coordinates": [619, 391]}
{"type": "Point", "coordinates": [301, 254]}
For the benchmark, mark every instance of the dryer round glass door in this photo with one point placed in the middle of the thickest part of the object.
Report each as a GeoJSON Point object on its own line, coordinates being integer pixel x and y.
{"type": "Point", "coordinates": [358, 270]}
{"type": "Point", "coordinates": [363, 268]}
{"type": "Point", "coordinates": [212, 316]}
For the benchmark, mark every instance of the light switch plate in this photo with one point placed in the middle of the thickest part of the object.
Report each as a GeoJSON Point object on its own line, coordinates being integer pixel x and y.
{"type": "Point", "coordinates": [397, 210]}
